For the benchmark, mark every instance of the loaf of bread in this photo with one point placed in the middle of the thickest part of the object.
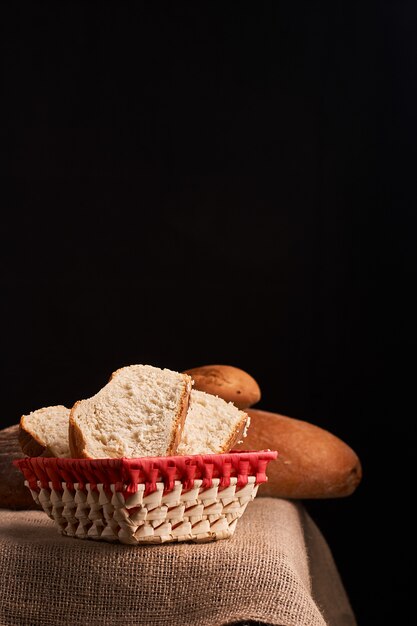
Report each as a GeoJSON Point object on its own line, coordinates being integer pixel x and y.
{"type": "Point", "coordinates": [140, 412]}
{"type": "Point", "coordinates": [45, 432]}
{"type": "Point", "coordinates": [13, 493]}
{"type": "Point", "coordinates": [228, 382]}
{"type": "Point", "coordinates": [212, 425]}
{"type": "Point", "coordinates": [312, 462]}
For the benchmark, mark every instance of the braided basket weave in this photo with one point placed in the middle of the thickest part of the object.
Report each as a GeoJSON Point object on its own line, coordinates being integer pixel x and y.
{"type": "Point", "coordinates": [148, 500]}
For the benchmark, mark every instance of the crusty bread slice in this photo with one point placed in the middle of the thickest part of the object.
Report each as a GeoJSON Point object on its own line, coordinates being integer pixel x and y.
{"type": "Point", "coordinates": [45, 432]}
{"type": "Point", "coordinates": [212, 426]}
{"type": "Point", "coordinates": [140, 412]}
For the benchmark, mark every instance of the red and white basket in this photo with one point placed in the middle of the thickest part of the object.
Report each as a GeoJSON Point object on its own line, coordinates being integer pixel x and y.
{"type": "Point", "coordinates": [147, 500]}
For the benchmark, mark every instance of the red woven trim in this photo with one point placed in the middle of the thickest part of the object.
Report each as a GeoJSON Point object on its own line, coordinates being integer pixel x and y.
{"type": "Point", "coordinates": [126, 474]}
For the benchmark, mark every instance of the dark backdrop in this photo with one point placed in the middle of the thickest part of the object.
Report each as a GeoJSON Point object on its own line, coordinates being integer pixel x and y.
{"type": "Point", "coordinates": [187, 185]}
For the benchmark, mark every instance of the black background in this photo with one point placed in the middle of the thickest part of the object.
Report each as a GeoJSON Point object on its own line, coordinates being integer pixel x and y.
{"type": "Point", "coordinates": [196, 184]}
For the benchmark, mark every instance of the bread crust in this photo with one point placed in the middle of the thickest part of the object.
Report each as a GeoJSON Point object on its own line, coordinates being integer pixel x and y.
{"type": "Point", "coordinates": [76, 439]}
{"type": "Point", "coordinates": [180, 419]}
{"type": "Point", "coordinates": [237, 433]}
{"type": "Point", "coordinates": [114, 374]}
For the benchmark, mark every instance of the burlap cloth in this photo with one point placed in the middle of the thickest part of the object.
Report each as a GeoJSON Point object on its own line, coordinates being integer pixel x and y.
{"type": "Point", "coordinates": [277, 569]}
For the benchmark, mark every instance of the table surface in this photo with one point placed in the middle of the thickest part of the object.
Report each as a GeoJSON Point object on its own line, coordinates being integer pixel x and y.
{"type": "Point", "coordinates": [277, 569]}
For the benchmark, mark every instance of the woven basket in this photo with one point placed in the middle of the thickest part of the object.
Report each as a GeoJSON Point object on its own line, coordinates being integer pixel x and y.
{"type": "Point", "coordinates": [148, 500]}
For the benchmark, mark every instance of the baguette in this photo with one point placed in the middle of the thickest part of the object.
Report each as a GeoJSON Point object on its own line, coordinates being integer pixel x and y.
{"type": "Point", "coordinates": [228, 382]}
{"type": "Point", "coordinates": [312, 462]}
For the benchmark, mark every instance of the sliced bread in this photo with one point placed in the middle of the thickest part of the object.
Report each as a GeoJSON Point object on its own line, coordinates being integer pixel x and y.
{"type": "Point", "coordinates": [212, 426]}
{"type": "Point", "coordinates": [140, 412]}
{"type": "Point", "coordinates": [45, 432]}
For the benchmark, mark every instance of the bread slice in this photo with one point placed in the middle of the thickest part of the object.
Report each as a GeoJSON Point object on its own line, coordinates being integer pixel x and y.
{"type": "Point", "coordinates": [140, 412]}
{"type": "Point", "coordinates": [45, 432]}
{"type": "Point", "coordinates": [212, 426]}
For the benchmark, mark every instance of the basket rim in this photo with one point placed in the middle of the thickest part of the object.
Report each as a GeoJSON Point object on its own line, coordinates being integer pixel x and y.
{"type": "Point", "coordinates": [127, 473]}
